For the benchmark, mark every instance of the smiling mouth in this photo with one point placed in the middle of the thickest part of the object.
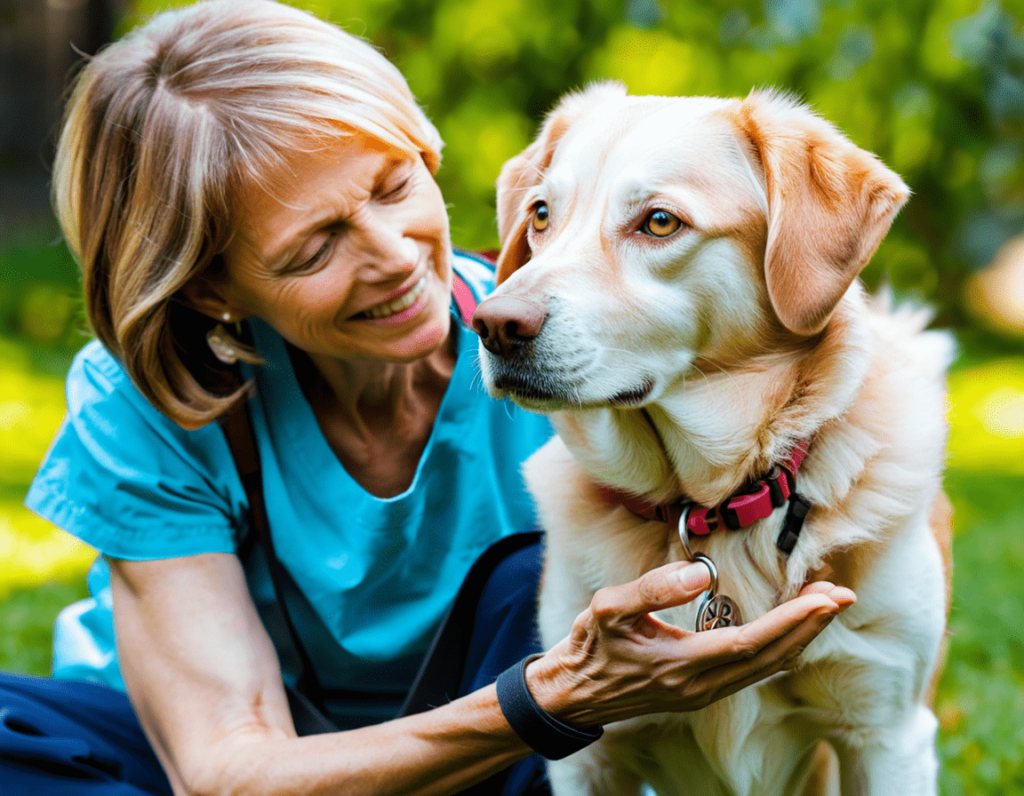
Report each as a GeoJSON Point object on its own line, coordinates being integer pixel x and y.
{"type": "Point", "coordinates": [394, 307]}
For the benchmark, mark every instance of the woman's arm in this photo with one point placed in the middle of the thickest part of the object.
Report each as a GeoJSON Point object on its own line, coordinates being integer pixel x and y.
{"type": "Point", "coordinates": [204, 679]}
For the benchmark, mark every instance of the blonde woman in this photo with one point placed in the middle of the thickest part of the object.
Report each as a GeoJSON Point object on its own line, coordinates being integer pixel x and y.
{"type": "Point", "coordinates": [245, 163]}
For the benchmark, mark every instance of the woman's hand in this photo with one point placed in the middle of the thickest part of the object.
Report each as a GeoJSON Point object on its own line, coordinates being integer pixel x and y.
{"type": "Point", "coordinates": [619, 661]}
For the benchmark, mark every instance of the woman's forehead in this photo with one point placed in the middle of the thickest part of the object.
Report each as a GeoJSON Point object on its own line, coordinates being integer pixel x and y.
{"type": "Point", "coordinates": [292, 172]}
{"type": "Point", "coordinates": [309, 188]}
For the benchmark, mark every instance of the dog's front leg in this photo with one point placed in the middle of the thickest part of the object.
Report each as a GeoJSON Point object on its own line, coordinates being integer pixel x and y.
{"type": "Point", "coordinates": [896, 761]}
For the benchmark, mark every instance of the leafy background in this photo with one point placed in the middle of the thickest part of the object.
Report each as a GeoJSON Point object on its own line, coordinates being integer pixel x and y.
{"type": "Point", "coordinates": [935, 88]}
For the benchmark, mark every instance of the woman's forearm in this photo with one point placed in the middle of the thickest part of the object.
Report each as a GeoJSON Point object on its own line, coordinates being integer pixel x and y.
{"type": "Point", "coordinates": [205, 682]}
{"type": "Point", "coordinates": [438, 752]}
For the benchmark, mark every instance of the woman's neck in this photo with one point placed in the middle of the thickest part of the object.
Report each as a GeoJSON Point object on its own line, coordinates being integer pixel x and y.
{"type": "Point", "coordinates": [377, 416]}
{"type": "Point", "coordinates": [368, 395]}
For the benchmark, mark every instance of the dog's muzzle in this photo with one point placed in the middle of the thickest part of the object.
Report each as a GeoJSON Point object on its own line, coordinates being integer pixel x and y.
{"type": "Point", "coordinates": [508, 327]}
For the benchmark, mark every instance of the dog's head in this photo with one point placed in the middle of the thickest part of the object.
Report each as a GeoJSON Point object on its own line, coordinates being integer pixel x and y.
{"type": "Point", "coordinates": [641, 233]}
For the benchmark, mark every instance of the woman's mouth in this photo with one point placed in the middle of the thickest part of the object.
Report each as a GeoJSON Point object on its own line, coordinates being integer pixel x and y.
{"type": "Point", "coordinates": [395, 306]}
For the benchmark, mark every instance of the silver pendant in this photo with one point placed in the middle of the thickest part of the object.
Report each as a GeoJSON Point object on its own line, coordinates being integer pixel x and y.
{"type": "Point", "coordinates": [716, 610]}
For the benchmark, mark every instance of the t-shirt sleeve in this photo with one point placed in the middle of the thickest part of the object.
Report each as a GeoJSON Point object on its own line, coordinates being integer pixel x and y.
{"type": "Point", "coordinates": [127, 480]}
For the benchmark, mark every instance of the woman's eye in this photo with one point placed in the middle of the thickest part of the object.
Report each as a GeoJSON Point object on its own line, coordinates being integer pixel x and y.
{"type": "Point", "coordinates": [313, 261]}
{"type": "Point", "coordinates": [397, 191]}
{"type": "Point", "coordinates": [540, 216]}
{"type": "Point", "coordinates": [660, 224]}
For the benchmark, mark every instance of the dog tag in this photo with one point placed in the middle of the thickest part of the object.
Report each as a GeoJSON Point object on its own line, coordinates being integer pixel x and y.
{"type": "Point", "coordinates": [716, 610]}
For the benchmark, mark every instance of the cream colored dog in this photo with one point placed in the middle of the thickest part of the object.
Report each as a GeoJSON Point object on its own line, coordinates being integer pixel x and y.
{"type": "Point", "coordinates": [679, 290]}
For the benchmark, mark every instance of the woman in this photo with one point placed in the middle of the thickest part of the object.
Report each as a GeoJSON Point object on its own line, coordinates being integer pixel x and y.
{"type": "Point", "coordinates": [246, 162]}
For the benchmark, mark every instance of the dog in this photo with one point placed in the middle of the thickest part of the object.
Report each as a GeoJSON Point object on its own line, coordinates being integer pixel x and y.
{"type": "Point", "coordinates": [678, 289]}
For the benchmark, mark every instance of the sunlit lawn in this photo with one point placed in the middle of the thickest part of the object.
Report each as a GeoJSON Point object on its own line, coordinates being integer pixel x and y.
{"type": "Point", "coordinates": [980, 702]}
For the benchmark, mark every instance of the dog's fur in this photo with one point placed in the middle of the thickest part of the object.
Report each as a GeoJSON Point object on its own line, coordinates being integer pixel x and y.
{"type": "Point", "coordinates": [689, 365]}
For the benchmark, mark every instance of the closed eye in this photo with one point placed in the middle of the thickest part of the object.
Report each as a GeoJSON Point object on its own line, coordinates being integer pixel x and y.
{"type": "Point", "coordinates": [397, 192]}
{"type": "Point", "coordinates": [312, 262]}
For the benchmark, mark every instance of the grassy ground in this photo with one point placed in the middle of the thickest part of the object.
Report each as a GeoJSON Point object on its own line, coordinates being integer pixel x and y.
{"type": "Point", "coordinates": [980, 700]}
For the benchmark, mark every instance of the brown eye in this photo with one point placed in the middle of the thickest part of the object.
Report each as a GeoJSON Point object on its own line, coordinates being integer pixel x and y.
{"type": "Point", "coordinates": [660, 224]}
{"type": "Point", "coordinates": [540, 216]}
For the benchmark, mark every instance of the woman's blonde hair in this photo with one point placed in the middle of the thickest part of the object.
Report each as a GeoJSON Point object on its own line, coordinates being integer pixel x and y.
{"type": "Point", "coordinates": [163, 127]}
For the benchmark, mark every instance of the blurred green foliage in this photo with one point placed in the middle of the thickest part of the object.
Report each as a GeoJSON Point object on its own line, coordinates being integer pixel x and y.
{"type": "Point", "coordinates": [40, 302]}
{"type": "Point", "coordinates": [934, 87]}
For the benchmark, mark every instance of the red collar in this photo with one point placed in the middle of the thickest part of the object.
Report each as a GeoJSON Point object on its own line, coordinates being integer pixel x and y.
{"type": "Point", "coordinates": [737, 511]}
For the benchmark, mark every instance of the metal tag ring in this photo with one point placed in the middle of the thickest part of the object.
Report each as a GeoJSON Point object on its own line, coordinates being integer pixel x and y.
{"type": "Point", "coordinates": [712, 590]}
{"type": "Point", "coordinates": [684, 531]}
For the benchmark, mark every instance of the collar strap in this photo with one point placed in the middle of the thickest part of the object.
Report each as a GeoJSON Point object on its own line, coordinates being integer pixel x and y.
{"type": "Point", "coordinates": [464, 299]}
{"type": "Point", "coordinates": [737, 511]}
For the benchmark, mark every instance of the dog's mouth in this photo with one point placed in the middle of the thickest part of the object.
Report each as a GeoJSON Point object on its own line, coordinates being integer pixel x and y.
{"type": "Point", "coordinates": [536, 392]}
{"type": "Point", "coordinates": [634, 397]}
{"type": "Point", "coordinates": [531, 389]}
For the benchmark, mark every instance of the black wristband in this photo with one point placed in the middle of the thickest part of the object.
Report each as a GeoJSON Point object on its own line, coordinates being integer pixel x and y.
{"type": "Point", "coordinates": [541, 731]}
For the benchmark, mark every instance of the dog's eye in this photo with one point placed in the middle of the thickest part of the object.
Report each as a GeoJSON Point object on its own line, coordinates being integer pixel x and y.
{"type": "Point", "coordinates": [660, 224]}
{"type": "Point", "coordinates": [540, 216]}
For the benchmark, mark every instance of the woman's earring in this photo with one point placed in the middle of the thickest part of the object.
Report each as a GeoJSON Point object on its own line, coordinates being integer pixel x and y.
{"type": "Point", "coordinates": [222, 344]}
{"type": "Point", "coordinates": [227, 347]}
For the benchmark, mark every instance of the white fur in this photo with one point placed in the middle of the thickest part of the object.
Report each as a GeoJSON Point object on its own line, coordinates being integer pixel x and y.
{"type": "Point", "coordinates": [869, 393]}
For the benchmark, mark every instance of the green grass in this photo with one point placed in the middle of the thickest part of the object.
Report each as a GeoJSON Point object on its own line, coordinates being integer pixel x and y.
{"type": "Point", "coordinates": [980, 700]}
{"type": "Point", "coordinates": [26, 616]}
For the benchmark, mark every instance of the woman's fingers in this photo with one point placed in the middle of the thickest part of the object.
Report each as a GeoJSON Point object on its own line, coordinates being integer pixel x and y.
{"type": "Point", "coordinates": [661, 588]}
{"type": "Point", "coordinates": [784, 619]}
{"type": "Point", "coordinates": [839, 594]}
{"type": "Point", "coordinates": [721, 681]}
{"type": "Point", "coordinates": [774, 641]}
{"type": "Point", "coordinates": [712, 664]}
{"type": "Point", "coordinates": [744, 643]}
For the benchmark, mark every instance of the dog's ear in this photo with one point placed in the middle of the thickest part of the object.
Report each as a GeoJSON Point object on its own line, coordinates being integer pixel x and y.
{"type": "Point", "coordinates": [829, 206]}
{"type": "Point", "coordinates": [527, 169]}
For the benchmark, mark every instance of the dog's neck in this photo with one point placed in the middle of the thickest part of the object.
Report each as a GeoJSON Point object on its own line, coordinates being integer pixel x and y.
{"type": "Point", "coordinates": [715, 430]}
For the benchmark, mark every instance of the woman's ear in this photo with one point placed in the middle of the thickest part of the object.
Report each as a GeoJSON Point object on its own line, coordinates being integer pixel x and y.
{"type": "Point", "coordinates": [829, 206]}
{"type": "Point", "coordinates": [206, 293]}
{"type": "Point", "coordinates": [527, 169]}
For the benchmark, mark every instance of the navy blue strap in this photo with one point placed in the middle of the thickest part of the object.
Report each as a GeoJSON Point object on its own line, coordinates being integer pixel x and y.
{"type": "Point", "coordinates": [541, 731]}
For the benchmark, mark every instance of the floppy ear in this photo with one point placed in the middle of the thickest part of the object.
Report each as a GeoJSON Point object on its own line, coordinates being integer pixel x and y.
{"type": "Point", "coordinates": [829, 206]}
{"type": "Point", "coordinates": [527, 169]}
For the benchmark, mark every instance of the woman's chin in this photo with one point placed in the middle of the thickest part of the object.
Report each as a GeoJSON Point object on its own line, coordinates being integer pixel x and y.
{"type": "Point", "coordinates": [423, 341]}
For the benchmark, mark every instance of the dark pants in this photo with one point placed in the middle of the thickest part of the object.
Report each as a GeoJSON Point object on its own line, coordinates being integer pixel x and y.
{"type": "Point", "coordinates": [71, 738]}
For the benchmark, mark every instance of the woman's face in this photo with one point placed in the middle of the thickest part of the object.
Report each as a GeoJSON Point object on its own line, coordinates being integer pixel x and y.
{"type": "Point", "coordinates": [347, 255]}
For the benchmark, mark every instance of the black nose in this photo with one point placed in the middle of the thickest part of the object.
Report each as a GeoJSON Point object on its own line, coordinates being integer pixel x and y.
{"type": "Point", "coordinates": [505, 323]}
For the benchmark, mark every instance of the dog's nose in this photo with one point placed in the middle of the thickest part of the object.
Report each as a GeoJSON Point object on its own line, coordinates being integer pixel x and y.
{"type": "Point", "coordinates": [504, 323]}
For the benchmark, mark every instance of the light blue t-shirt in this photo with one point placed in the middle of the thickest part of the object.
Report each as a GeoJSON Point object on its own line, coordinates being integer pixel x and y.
{"type": "Point", "coordinates": [376, 574]}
